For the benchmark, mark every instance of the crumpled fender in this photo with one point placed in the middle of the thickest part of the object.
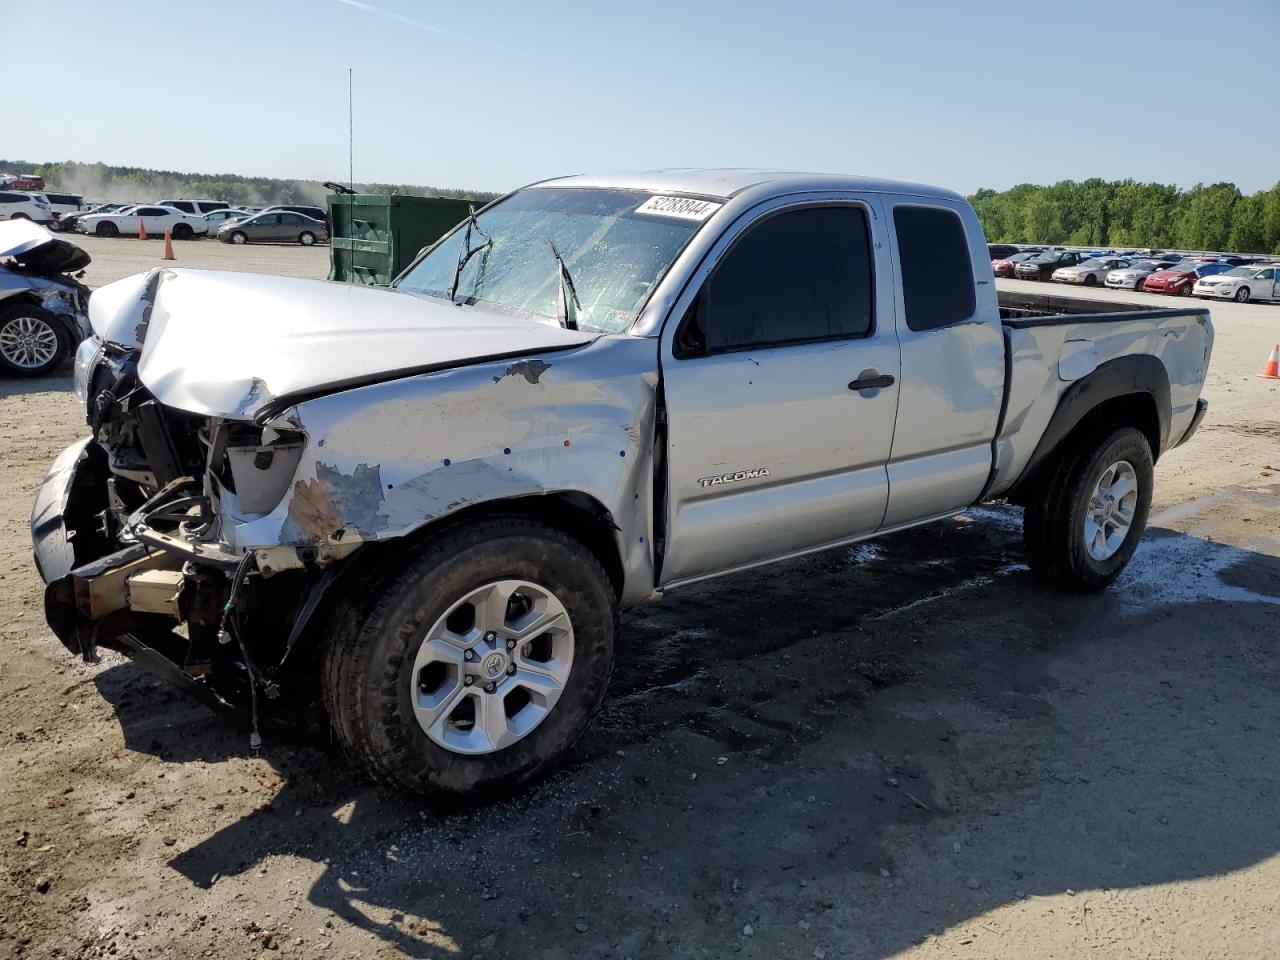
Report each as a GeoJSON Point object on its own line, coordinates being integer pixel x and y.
{"type": "Point", "coordinates": [384, 460]}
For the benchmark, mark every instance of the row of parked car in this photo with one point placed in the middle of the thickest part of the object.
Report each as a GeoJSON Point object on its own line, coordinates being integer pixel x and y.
{"type": "Point", "coordinates": [186, 219]}
{"type": "Point", "coordinates": [1222, 277]}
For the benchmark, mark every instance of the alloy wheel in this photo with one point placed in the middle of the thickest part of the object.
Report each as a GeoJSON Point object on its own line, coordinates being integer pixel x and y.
{"type": "Point", "coordinates": [491, 669]}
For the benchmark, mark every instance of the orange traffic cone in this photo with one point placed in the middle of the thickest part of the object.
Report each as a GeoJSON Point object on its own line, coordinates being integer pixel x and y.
{"type": "Point", "coordinates": [142, 229]}
{"type": "Point", "coordinates": [1271, 369]}
{"type": "Point", "coordinates": [168, 246]}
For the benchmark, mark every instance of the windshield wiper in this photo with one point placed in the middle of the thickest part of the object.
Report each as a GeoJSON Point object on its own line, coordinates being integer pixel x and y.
{"type": "Point", "coordinates": [467, 250]}
{"type": "Point", "coordinates": [567, 303]}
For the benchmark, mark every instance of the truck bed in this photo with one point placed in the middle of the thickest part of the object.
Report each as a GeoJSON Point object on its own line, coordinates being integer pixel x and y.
{"type": "Point", "coordinates": [1053, 343]}
{"type": "Point", "coordinates": [1022, 310]}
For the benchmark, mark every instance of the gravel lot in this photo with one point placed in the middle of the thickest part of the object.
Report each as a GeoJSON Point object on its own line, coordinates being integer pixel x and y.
{"type": "Point", "coordinates": [904, 749]}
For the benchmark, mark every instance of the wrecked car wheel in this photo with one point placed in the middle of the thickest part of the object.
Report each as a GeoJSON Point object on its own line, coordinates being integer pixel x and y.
{"type": "Point", "coordinates": [32, 342]}
{"type": "Point", "coordinates": [481, 662]}
{"type": "Point", "coordinates": [1083, 529]}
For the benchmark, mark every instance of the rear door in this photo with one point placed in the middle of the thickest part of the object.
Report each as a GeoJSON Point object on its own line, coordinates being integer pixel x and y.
{"type": "Point", "coordinates": [781, 380]}
{"type": "Point", "coordinates": [952, 360]}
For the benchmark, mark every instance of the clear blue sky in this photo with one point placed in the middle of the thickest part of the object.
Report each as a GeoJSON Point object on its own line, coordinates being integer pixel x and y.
{"type": "Point", "coordinates": [955, 92]}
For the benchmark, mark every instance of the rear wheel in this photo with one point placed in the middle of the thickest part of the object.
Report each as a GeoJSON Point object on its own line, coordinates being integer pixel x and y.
{"type": "Point", "coordinates": [183, 231]}
{"type": "Point", "coordinates": [1242, 295]}
{"type": "Point", "coordinates": [1083, 527]}
{"type": "Point", "coordinates": [32, 342]}
{"type": "Point", "coordinates": [1140, 284]}
{"type": "Point", "coordinates": [306, 238]}
{"type": "Point", "coordinates": [107, 229]}
{"type": "Point", "coordinates": [480, 663]}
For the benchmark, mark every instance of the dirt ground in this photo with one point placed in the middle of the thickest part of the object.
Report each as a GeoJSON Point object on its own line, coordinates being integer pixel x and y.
{"type": "Point", "coordinates": [904, 749]}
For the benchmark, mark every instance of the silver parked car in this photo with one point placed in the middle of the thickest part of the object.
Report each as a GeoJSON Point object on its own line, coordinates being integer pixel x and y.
{"type": "Point", "coordinates": [1091, 272]}
{"type": "Point", "coordinates": [43, 307]}
{"type": "Point", "coordinates": [274, 227]}
{"type": "Point", "coordinates": [1135, 274]}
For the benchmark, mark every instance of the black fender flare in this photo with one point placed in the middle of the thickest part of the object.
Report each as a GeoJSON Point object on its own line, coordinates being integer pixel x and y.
{"type": "Point", "coordinates": [1138, 375]}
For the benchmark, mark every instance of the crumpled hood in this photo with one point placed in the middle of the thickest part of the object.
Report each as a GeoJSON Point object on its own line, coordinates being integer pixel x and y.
{"type": "Point", "coordinates": [228, 344]}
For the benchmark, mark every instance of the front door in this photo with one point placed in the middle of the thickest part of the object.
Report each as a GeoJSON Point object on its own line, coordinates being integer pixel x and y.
{"type": "Point", "coordinates": [781, 382]}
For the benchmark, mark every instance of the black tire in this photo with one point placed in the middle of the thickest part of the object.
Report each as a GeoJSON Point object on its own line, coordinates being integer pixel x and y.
{"type": "Point", "coordinates": [1090, 280]}
{"type": "Point", "coordinates": [369, 658]}
{"type": "Point", "coordinates": [1142, 282]}
{"type": "Point", "coordinates": [1185, 290]}
{"type": "Point", "coordinates": [1053, 523]}
{"type": "Point", "coordinates": [107, 229]}
{"type": "Point", "coordinates": [182, 231]}
{"type": "Point", "coordinates": [1242, 295]}
{"type": "Point", "coordinates": [19, 216]}
{"type": "Point", "coordinates": [45, 321]}
{"type": "Point", "coordinates": [307, 238]}
{"type": "Point", "coordinates": [239, 236]}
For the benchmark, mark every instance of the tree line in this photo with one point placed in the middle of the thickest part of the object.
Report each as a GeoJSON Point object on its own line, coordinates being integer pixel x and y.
{"type": "Point", "coordinates": [100, 181]}
{"type": "Point", "coordinates": [1124, 213]}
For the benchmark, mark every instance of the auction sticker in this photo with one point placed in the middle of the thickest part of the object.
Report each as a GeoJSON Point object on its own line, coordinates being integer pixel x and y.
{"type": "Point", "coordinates": [682, 208]}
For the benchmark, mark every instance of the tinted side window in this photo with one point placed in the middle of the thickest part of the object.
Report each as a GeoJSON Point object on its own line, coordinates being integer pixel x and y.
{"type": "Point", "coordinates": [937, 277]}
{"type": "Point", "coordinates": [290, 218]}
{"type": "Point", "coordinates": [182, 205]}
{"type": "Point", "coordinates": [796, 276]}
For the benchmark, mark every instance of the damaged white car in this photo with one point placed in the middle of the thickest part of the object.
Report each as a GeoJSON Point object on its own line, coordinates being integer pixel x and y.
{"type": "Point", "coordinates": [413, 513]}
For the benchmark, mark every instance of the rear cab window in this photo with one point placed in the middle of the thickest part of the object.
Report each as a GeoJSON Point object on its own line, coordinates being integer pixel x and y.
{"type": "Point", "coordinates": [936, 270]}
{"type": "Point", "coordinates": [795, 276]}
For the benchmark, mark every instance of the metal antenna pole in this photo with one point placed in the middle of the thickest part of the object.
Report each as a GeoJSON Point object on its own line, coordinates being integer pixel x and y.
{"type": "Point", "coordinates": [351, 163]}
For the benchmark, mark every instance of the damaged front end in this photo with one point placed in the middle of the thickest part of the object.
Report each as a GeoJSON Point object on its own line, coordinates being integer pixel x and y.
{"type": "Point", "coordinates": [253, 440]}
{"type": "Point", "coordinates": [127, 531]}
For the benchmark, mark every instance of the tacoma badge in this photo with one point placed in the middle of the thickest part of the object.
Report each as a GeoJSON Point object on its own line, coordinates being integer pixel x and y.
{"type": "Point", "coordinates": [733, 477]}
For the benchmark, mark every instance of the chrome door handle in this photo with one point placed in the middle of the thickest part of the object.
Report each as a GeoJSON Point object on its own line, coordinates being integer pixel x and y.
{"type": "Point", "coordinates": [870, 380]}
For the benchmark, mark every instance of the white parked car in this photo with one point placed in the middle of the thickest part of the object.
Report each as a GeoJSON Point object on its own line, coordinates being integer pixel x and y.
{"type": "Point", "coordinates": [64, 203]}
{"type": "Point", "coordinates": [198, 207]}
{"type": "Point", "coordinates": [1241, 284]}
{"type": "Point", "coordinates": [1090, 272]}
{"type": "Point", "coordinates": [185, 226]}
{"type": "Point", "coordinates": [18, 205]}
{"type": "Point", "coordinates": [220, 218]}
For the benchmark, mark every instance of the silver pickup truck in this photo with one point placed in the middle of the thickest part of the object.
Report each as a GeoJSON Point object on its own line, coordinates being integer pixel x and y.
{"type": "Point", "coordinates": [414, 512]}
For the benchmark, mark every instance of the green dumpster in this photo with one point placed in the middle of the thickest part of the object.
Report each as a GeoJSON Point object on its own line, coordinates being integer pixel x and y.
{"type": "Point", "coordinates": [373, 238]}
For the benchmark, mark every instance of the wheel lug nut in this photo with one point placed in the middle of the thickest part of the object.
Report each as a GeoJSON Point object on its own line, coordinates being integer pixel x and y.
{"type": "Point", "coordinates": [469, 655]}
{"type": "Point", "coordinates": [511, 644]}
{"type": "Point", "coordinates": [468, 681]}
{"type": "Point", "coordinates": [490, 637]}
{"type": "Point", "coordinates": [490, 687]}
{"type": "Point", "coordinates": [511, 668]}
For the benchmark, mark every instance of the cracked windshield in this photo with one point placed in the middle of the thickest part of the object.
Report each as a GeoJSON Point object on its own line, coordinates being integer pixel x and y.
{"type": "Point", "coordinates": [613, 248]}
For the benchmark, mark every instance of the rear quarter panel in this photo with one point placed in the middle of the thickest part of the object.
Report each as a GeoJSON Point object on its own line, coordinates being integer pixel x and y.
{"type": "Point", "coordinates": [1045, 360]}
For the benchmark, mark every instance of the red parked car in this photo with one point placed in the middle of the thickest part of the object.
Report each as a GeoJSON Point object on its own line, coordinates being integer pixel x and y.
{"type": "Point", "coordinates": [1178, 280]}
{"type": "Point", "coordinates": [1004, 268]}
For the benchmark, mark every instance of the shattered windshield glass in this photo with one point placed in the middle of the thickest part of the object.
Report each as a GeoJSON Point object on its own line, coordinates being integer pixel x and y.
{"type": "Point", "coordinates": [615, 255]}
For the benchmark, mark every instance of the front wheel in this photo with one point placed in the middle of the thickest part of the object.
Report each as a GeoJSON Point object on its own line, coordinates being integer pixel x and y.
{"type": "Point", "coordinates": [107, 229]}
{"type": "Point", "coordinates": [182, 231]}
{"type": "Point", "coordinates": [1242, 295]}
{"type": "Point", "coordinates": [32, 342]}
{"type": "Point", "coordinates": [306, 238]}
{"type": "Point", "coordinates": [1184, 290]}
{"type": "Point", "coordinates": [238, 236]}
{"type": "Point", "coordinates": [1090, 280]}
{"type": "Point", "coordinates": [481, 662]}
{"type": "Point", "coordinates": [1083, 527]}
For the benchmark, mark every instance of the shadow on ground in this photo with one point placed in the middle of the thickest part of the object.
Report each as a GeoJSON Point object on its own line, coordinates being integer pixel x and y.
{"type": "Point", "coordinates": [850, 752]}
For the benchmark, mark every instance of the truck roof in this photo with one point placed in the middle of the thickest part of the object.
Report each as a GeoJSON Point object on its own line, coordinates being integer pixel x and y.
{"type": "Point", "coordinates": [726, 182]}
